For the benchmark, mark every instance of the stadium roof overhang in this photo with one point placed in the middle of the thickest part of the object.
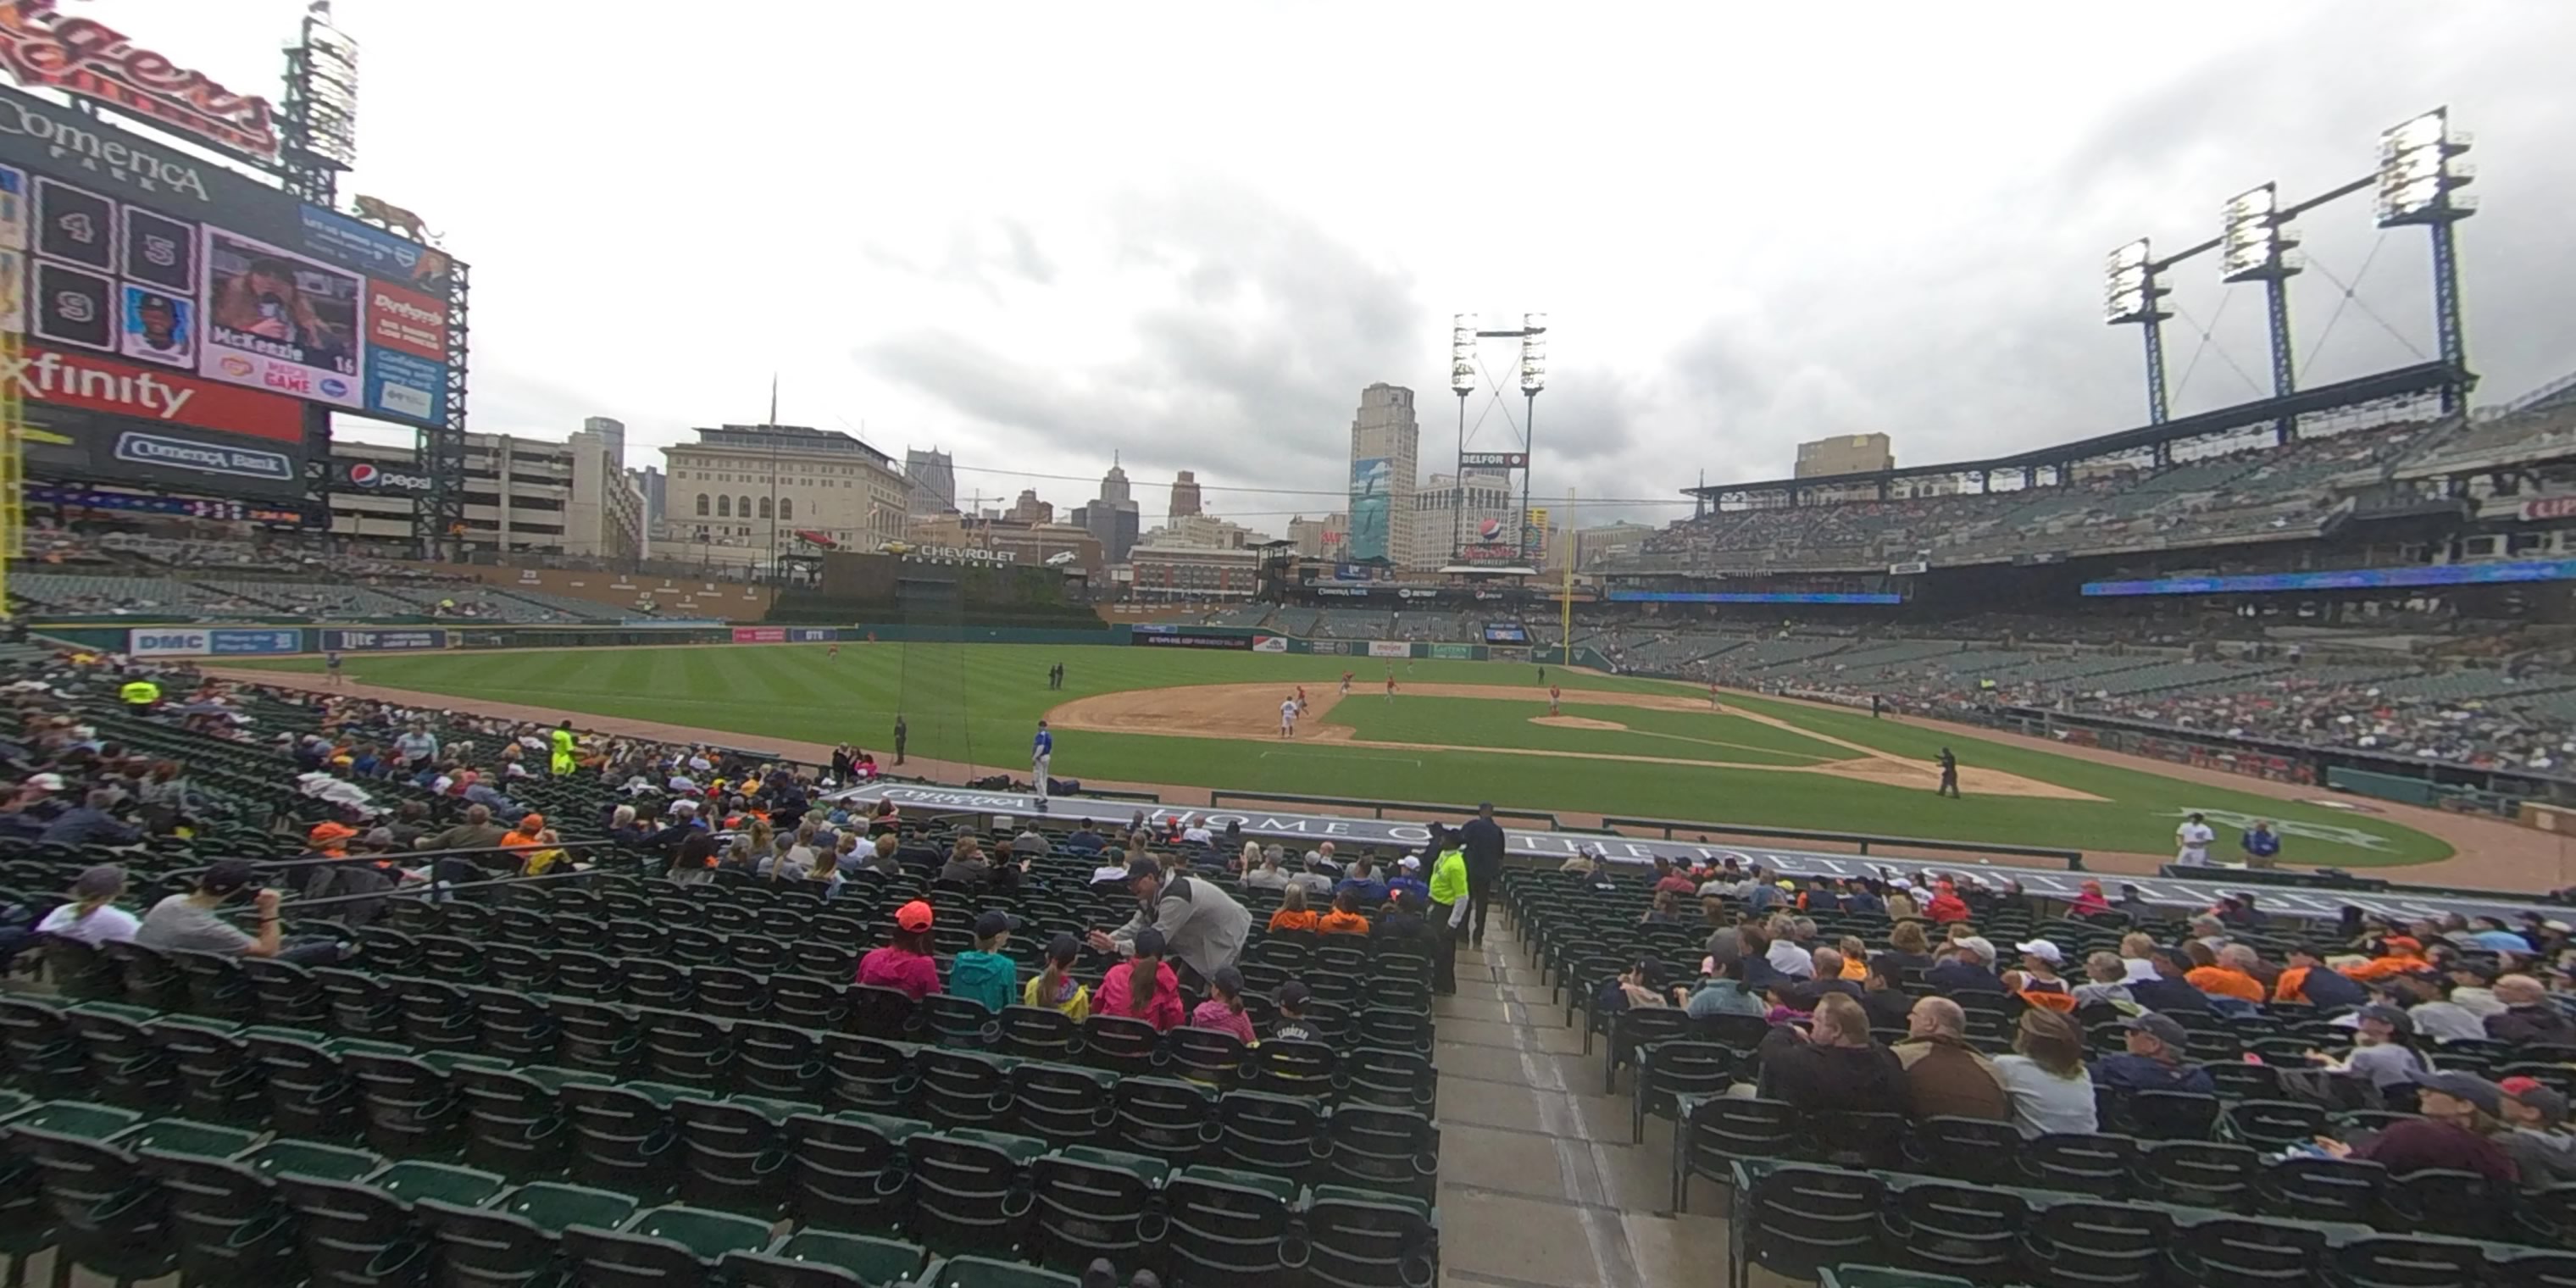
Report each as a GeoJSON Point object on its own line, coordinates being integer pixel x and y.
{"type": "Point", "coordinates": [2399, 382]}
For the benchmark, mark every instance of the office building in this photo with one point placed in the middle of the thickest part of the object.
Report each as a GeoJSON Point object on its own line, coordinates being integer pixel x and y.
{"type": "Point", "coordinates": [652, 483]}
{"type": "Point", "coordinates": [1192, 574]}
{"type": "Point", "coordinates": [1475, 520]}
{"type": "Point", "coordinates": [1318, 538]}
{"type": "Point", "coordinates": [1386, 450]}
{"type": "Point", "coordinates": [1029, 509]}
{"type": "Point", "coordinates": [743, 492]}
{"type": "Point", "coordinates": [1185, 495]}
{"type": "Point", "coordinates": [1112, 517]}
{"type": "Point", "coordinates": [933, 479]}
{"type": "Point", "coordinates": [611, 431]}
{"type": "Point", "coordinates": [603, 511]}
{"type": "Point", "coordinates": [1202, 532]}
{"type": "Point", "coordinates": [521, 494]}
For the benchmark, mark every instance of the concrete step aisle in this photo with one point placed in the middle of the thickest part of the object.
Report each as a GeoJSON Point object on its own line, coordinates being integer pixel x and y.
{"type": "Point", "coordinates": [1539, 1185]}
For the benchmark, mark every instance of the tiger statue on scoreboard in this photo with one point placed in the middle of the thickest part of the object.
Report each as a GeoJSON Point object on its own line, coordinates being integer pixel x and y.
{"type": "Point", "coordinates": [394, 219]}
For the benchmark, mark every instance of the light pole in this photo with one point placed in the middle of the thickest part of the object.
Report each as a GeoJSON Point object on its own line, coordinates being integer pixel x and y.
{"type": "Point", "coordinates": [1532, 334]}
{"type": "Point", "coordinates": [1533, 379]}
{"type": "Point", "coordinates": [1462, 381]}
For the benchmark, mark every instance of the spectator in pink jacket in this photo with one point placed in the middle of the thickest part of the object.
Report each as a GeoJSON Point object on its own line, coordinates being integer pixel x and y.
{"type": "Point", "coordinates": [1223, 1011]}
{"type": "Point", "coordinates": [1143, 987]}
{"type": "Point", "coordinates": [906, 963]}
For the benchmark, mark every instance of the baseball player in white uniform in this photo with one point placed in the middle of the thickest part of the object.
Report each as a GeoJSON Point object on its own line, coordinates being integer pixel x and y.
{"type": "Point", "coordinates": [1288, 718]}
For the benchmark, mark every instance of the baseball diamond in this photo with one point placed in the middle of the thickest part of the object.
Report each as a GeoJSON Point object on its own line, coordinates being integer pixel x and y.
{"type": "Point", "coordinates": [1450, 731]}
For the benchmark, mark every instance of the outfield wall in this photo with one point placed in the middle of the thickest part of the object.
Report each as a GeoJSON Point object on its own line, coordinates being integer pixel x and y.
{"type": "Point", "coordinates": [181, 640]}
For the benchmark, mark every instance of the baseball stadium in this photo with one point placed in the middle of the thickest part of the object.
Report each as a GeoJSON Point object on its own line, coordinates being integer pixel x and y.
{"type": "Point", "coordinates": [438, 858]}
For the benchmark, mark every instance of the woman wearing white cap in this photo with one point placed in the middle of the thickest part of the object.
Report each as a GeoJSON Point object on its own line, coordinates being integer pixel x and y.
{"type": "Point", "coordinates": [92, 917]}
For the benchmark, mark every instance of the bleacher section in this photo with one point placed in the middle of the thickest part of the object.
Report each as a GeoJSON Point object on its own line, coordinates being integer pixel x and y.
{"type": "Point", "coordinates": [2200, 1188]}
{"type": "Point", "coordinates": [2249, 492]}
{"type": "Point", "coordinates": [618, 1076]}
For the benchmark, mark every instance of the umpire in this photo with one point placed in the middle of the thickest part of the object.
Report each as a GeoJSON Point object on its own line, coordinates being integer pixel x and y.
{"type": "Point", "coordinates": [1482, 839]}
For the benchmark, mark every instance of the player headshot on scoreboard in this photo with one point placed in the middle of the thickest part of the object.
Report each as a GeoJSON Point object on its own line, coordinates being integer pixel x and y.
{"type": "Point", "coordinates": [159, 328]}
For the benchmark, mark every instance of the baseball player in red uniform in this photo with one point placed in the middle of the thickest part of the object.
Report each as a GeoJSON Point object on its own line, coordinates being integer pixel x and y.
{"type": "Point", "coordinates": [1553, 693]}
{"type": "Point", "coordinates": [1346, 684]}
{"type": "Point", "coordinates": [1712, 695]}
{"type": "Point", "coordinates": [1301, 699]}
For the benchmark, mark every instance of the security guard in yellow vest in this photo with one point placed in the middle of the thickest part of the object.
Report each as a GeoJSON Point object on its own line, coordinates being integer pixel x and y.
{"type": "Point", "coordinates": [140, 694]}
{"type": "Point", "coordinates": [1448, 909]}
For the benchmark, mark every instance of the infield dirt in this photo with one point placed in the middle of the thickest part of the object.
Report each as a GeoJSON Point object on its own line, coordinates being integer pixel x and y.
{"type": "Point", "coordinates": [1250, 712]}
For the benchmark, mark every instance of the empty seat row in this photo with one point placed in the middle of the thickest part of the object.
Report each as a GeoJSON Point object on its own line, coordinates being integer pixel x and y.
{"type": "Point", "coordinates": [139, 1199]}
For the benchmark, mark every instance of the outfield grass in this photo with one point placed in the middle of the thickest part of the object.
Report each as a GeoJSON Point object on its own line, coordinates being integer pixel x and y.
{"type": "Point", "coordinates": [979, 703]}
{"type": "Point", "coordinates": [1483, 722]}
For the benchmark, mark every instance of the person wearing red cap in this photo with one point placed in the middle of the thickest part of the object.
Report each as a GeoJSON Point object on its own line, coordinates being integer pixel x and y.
{"type": "Point", "coordinates": [2543, 1150]}
{"type": "Point", "coordinates": [906, 963]}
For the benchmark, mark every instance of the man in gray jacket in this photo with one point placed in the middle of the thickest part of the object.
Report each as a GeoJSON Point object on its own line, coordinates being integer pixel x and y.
{"type": "Point", "coordinates": [2543, 1150]}
{"type": "Point", "coordinates": [1202, 925]}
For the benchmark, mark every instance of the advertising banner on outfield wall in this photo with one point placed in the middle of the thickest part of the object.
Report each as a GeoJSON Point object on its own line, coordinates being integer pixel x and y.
{"type": "Point", "coordinates": [382, 641]}
{"type": "Point", "coordinates": [1454, 652]}
{"type": "Point", "coordinates": [189, 642]}
{"type": "Point", "coordinates": [1269, 643]}
{"type": "Point", "coordinates": [1389, 648]}
{"type": "Point", "coordinates": [811, 634]}
{"type": "Point", "coordinates": [1191, 639]}
{"type": "Point", "coordinates": [760, 635]}
{"type": "Point", "coordinates": [1335, 648]}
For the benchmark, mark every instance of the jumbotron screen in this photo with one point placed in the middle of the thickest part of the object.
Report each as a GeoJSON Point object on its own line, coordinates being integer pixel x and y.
{"type": "Point", "coordinates": [180, 314]}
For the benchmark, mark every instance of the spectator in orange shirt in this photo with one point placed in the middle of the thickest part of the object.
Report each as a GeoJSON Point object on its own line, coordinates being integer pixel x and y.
{"type": "Point", "coordinates": [524, 838]}
{"type": "Point", "coordinates": [2309, 980]}
{"type": "Point", "coordinates": [1293, 913]}
{"type": "Point", "coordinates": [1345, 918]}
{"type": "Point", "coordinates": [2398, 955]}
{"type": "Point", "coordinates": [2230, 975]}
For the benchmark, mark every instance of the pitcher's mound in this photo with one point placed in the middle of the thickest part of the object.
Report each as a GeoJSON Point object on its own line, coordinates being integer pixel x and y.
{"type": "Point", "coordinates": [1576, 722]}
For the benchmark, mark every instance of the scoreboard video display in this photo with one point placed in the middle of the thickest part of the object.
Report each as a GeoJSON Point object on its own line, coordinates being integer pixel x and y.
{"type": "Point", "coordinates": [176, 316]}
{"type": "Point", "coordinates": [113, 244]}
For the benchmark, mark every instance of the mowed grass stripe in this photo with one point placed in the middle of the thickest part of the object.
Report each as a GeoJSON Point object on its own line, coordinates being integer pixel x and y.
{"type": "Point", "coordinates": [991, 696]}
{"type": "Point", "coordinates": [1489, 723]}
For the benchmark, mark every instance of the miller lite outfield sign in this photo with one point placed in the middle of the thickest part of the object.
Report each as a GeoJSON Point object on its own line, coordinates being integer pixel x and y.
{"type": "Point", "coordinates": [83, 56]}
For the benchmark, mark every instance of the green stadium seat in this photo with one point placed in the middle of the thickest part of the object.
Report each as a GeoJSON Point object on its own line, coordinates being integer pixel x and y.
{"type": "Point", "coordinates": [850, 1171]}
{"type": "Point", "coordinates": [971, 1189]}
{"type": "Point", "coordinates": [823, 1259]}
{"type": "Point", "coordinates": [1096, 1203]}
{"type": "Point", "coordinates": [665, 1247]}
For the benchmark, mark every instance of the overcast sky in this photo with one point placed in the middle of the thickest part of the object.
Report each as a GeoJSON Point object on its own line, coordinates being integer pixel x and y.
{"type": "Point", "coordinates": [1035, 234]}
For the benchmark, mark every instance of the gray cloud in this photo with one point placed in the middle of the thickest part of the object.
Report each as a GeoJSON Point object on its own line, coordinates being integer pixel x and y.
{"type": "Point", "coordinates": [1975, 331]}
{"type": "Point", "coordinates": [1248, 372]}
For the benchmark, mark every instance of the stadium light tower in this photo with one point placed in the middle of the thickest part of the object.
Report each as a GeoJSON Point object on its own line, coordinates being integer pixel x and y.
{"type": "Point", "coordinates": [2418, 183]}
{"type": "Point", "coordinates": [1533, 379]}
{"type": "Point", "coordinates": [2131, 296]}
{"type": "Point", "coordinates": [1462, 381]}
{"type": "Point", "coordinates": [2253, 245]}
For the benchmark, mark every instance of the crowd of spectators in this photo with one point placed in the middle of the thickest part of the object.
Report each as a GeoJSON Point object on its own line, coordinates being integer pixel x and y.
{"type": "Point", "coordinates": [2425, 1008]}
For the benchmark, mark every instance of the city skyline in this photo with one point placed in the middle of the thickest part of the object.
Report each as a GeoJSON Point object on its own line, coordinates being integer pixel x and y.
{"type": "Point", "coordinates": [1208, 301]}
